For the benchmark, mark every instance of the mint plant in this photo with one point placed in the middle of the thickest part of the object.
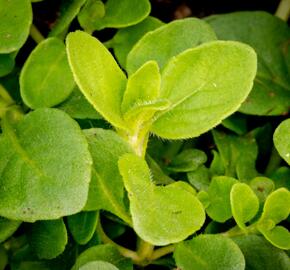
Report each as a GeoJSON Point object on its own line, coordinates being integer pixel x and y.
{"type": "Point", "coordinates": [144, 155]}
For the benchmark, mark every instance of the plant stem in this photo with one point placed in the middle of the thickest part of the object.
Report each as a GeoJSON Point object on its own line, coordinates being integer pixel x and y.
{"type": "Point", "coordinates": [283, 10]}
{"type": "Point", "coordinates": [273, 163]}
{"type": "Point", "coordinates": [236, 231]}
{"type": "Point", "coordinates": [124, 251]}
{"type": "Point", "coordinates": [144, 250]}
{"type": "Point", "coordinates": [160, 252]}
{"type": "Point", "coordinates": [35, 34]}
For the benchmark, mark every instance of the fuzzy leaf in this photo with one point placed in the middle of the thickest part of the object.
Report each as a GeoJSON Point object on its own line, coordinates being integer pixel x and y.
{"type": "Point", "coordinates": [202, 89]}
{"type": "Point", "coordinates": [209, 252]}
{"type": "Point", "coordinates": [244, 204]}
{"type": "Point", "coordinates": [16, 18]}
{"type": "Point", "coordinates": [168, 41]}
{"type": "Point", "coordinates": [113, 14]}
{"type": "Point", "coordinates": [97, 74]}
{"type": "Point", "coordinates": [48, 238]}
{"type": "Point", "coordinates": [107, 253]}
{"type": "Point", "coordinates": [200, 178]}
{"type": "Point", "coordinates": [7, 228]}
{"type": "Point", "coordinates": [282, 140]}
{"type": "Point", "coordinates": [270, 39]}
{"type": "Point", "coordinates": [106, 187]}
{"type": "Point", "coordinates": [98, 265]}
{"type": "Point", "coordinates": [83, 226]}
{"type": "Point", "coordinates": [46, 79]}
{"type": "Point", "coordinates": [262, 186]}
{"type": "Point", "coordinates": [126, 38]}
{"type": "Point", "coordinates": [219, 190]}
{"type": "Point", "coordinates": [178, 212]}
{"type": "Point", "coordinates": [46, 167]}
{"type": "Point", "coordinates": [278, 236]}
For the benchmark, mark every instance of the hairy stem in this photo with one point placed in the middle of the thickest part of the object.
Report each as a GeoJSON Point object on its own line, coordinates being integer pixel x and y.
{"type": "Point", "coordinates": [35, 34]}
{"type": "Point", "coordinates": [283, 10]}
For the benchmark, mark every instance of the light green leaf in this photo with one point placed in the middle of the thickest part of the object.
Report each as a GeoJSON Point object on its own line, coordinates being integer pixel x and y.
{"type": "Point", "coordinates": [68, 11]}
{"type": "Point", "coordinates": [16, 18]}
{"type": "Point", "coordinates": [46, 79]}
{"type": "Point", "coordinates": [244, 204]}
{"type": "Point", "coordinates": [107, 188]}
{"type": "Point", "coordinates": [113, 14]}
{"type": "Point", "coordinates": [219, 195]}
{"type": "Point", "coordinates": [107, 253]}
{"type": "Point", "coordinates": [83, 226]}
{"type": "Point", "coordinates": [238, 154]}
{"type": "Point", "coordinates": [260, 255]}
{"type": "Point", "coordinates": [97, 74]}
{"type": "Point", "coordinates": [6, 64]}
{"type": "Point", "coordinates": [77, 106]}
{"type": "Point", "coordinates": [278, 236]}
{"type": "Point", "coordinates": [48, 238]}
{"type": "Point", "coordinates": [277, 206]}
{"type": "Point", "coordinates": [209, 252]}
{"type": "Point", "coordinates": [188, 160]}
{"type": "Point", "coordinates": [161, 215]}
{"type": "Point", "coordinates": [270, 39]}
{"type": "Point", "coordinates": [142, 86]}
{"type": "Point", "coordinates": [282, 140]}
{"type": "Point", "coordinates": [46, 167]}
{"type": "Point", "coordinates": [202, 89]}
{"type": "Point", "coordinates": [168, 41]}
{"type": "Point", "coordinates": [98, 265]}
{"type": "Point", "coordinates": [262, 186]}
{"type": "Point", "coordinates": [7, 228]}
{"type": "Point", "coordinates": [126, 38]}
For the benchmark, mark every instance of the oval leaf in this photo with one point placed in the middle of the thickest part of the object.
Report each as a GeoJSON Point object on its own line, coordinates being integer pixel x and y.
{"type": "Point", "coordinates": [204, 85]}
{"type": "Point", "coordinates": [46, 79]}
{"type": "Point", "coordinates": [97, 74]}
{"type": "Point", "coordinates": [16, 18]}
{"type": "Point", "coordinates": [98, 265]}
{"type": "Point", "coordinates": [278, 236]}
{"type": "Point", "coordinates": [244, 204]}
{"type": "Point", "coordinates": [173, 38]}
{"type": "Point", "coordinates": [48, 238]}
{"type": "Point", "coordinates": [161, 215]}
{"type": "Point", "coordinates": [83, 226]}
{"type": "Point", "coordinates": [209, 252]}
{"type": "Point", "coordinates": [47, 167]}
{"type": "Point", "coordinates": [282, 140]}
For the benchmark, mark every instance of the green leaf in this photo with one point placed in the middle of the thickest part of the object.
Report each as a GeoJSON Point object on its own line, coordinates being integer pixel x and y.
{"type": "Point", "coordinates": [126, 38]}
{"type": "Point", "coordinates": [142, 86]}
{"type": "Point", "coordinates": [97, 74]}
{"type": "Point", "coordinates": [7, 228]}
{"type": "Point", "coordinates": [113, 14]}
{"type": "Point", "coordinates": [77, 106]}
{"type": "Point", "coordinates": [107, 253]}
{"type": "Point", "coordinates": [282, 140]}
{"type": "Point", "coordinates": [277, 206]}
{"type": "Point", "coordinates": [106, 187]}
{"type": "Point", "coordinates": [200, 178]}
{"type": "Point", "coordinates": [260, 255]}
{"type": "Point", "coordinates": [209, 252]}
{"type": "Point", "coordinates": [262, 186]}
{"type": "Point", "coordinates": [168, 41]}
{"type": "Point", "coordinates": [219, 195]}
{"type": "Point", "coordinates": [82, 226]}
{"type": "Point", "coordinates": [270, 39]}
{"type": "Point", "coordinates": [3, 258]}
{"type": "Point", "coordinates": [202, 89]}
{"type": "Point", "coordinates": [281, 177]}
{"type": "Point", "coordinates": [6, 64]}
{"type": "Point", "coordinates": [278, 236]}
{"type": "Point", "coordinates": [16, 18]}
{"type": "Point", "coordinates": [244, 204]}
{"type": "Point", "coordinates": [177, 210]}
{"type": "Point", "coordinates": [238, 154]}
{"type": "Point", "coordinates": [68, 11]}
{"type": "Point", "coordinates": [46, 167]}
{"type": "Point", "coordinates": [236, 123]}
{"type": "Point", "coordinates": [188, 160]}
{"type": "Point", "coordinates": [48, 238]}
{"type": "Point", "coordinates": [46, 79]}
{"type": "Point", "coordinates": [98, 265]}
